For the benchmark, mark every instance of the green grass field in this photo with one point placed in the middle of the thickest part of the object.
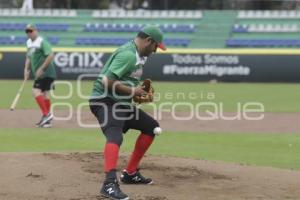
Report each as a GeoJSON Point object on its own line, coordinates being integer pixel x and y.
{"type": "Point", "coordinates": [276, 150]}
{"type": "Point", "coordinates": [274, 97]}
{"type": "Point", "coordinates": [264, 149]}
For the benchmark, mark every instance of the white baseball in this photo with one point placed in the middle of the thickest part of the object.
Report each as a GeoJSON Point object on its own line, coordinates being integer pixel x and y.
{"type": "Point", "coordinates": [157, 131]}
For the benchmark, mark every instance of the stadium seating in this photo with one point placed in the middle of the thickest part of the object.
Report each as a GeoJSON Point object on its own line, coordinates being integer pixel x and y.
{"type": "Point", "coordinates": [69, 25]}
{"type": "Point", "coordinates": [119, 41]}
{"type": "Point", "coordinates": [265, 28]}
{"type": "Point", "coordinates": [12, 26]}
{"type": "Point", "coordinates": [188, 29]}
{"type": "Point", "coordinates": [17, 40]}
{"type": "Point", "coordinates": [138, 14]}
{"type": "Point", "coordinates": [275, 14]}
{"type": "Point", "coordinates": [174, 28]}
{"type": "Point", "coordinates": [112, 27]}
{"type": "Point", "coordinates": [41, 27]}
{"type": "Point", "coordinates": [262, 43]}
{"type": "Point", "coordinates": [37, 13]}
{"type": "Point", "coordinates": [53, 27]}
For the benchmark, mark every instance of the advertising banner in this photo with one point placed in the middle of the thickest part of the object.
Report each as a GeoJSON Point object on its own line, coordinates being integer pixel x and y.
{"type": "Point", "coordinates": [171, 66]}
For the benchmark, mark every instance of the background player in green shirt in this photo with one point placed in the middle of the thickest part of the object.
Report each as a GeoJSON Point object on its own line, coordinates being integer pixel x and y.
{"type": "Point", "coordinates": [39, 61]}
{"type": "Point", "coordinates": [111, 103]}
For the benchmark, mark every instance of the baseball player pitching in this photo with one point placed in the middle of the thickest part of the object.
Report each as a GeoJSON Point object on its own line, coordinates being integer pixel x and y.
{"type": "Point", "coordinates": [39, 62]}
{"type": "Point", "coordinates": [111, 103]}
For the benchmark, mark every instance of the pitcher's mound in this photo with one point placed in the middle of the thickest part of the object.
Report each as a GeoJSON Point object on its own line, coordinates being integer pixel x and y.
{"type": "Point", "coordinates": [78, 176]}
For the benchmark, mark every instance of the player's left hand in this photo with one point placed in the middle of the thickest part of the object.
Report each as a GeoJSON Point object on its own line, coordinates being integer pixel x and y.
{"type": "Point", "coordinates": [39, 73]}
{"type": "Point", "coordinates": [148, 96]}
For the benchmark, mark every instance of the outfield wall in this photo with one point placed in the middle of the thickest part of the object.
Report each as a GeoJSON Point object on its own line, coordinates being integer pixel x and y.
{"type": "Point", "coordinates": [228, 65]}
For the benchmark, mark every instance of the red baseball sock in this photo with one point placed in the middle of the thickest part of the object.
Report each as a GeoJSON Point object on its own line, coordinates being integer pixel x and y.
{"type": "Point", "coordinates": [41, 102]}
{"type": "Point", "coordinates": [142, 144]}
{"type": "Point", "coordinates": [111, 154]}
{"type": "Point", "coordinates": [48, 104]}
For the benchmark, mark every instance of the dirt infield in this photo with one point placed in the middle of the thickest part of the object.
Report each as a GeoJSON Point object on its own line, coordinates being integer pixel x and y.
{"type": "Point", "coordinates": [272, 122]}
{"type": "Point", "coordinates": [77, 176]}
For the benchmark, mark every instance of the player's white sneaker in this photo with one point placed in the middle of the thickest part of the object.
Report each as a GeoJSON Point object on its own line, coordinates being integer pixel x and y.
{"type": "Point", "coordinates": [46, 125]}
{"type": "Point", "coordinates": [46, 119]}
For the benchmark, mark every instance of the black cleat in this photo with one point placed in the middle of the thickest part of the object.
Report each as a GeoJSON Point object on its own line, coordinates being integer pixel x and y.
{"type": "Point", "coordinates": [135, 178]}
{"type": "Point", "coordinates": [38, 123]}
{"type": "Point", "coordinates": [46, 119]}
{"type": "Point", "coordinates": [112, 190]}
{"type": "Point", "coordinates": [46, 125]}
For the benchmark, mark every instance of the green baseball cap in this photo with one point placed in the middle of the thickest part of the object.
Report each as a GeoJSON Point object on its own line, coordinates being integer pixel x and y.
{"type": "Point", "coordinates": [156, 34]}
{"type": "Point", "coordinates": [30, 27]}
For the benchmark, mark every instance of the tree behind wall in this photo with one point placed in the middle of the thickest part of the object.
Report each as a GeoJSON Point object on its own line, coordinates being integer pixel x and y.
{"type": "Point", "coordinates": [162, 4]}
{"type": "Point", "coordinates": [72, 4]}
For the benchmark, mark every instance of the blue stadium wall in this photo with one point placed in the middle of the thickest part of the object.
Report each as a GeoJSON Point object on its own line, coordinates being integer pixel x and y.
{"type": "Point", "coordinates": [224, 65]}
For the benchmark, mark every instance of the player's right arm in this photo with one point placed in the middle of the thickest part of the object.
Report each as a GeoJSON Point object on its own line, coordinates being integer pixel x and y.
{"type": "Point", "coordinates": [121, 65]}
{"type": "Point", "coordinates": [27, 69]}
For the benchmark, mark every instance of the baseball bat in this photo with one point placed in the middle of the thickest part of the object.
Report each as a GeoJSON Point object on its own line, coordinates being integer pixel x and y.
{"type": "Point", "coordinates": [14, 103]}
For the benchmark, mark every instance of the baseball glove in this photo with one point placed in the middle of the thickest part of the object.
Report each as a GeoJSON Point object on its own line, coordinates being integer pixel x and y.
{"type": "Point", "coordinates": [147, 98]}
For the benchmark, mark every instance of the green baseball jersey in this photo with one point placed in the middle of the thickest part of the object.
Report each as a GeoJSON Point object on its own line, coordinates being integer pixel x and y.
{"type": "Point", "coordinates": [37, 52]}
{"type": "Point", "coordinates": [124, 65]}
